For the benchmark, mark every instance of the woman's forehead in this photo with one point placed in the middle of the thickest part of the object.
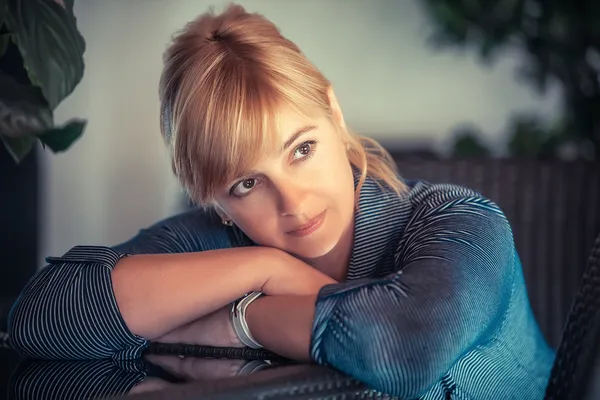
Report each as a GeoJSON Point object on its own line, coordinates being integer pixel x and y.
{"type": "Point", "coordinates": [289, 122]}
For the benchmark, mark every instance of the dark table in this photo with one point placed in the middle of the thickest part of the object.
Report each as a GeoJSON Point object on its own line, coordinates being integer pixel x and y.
{"type": "Point", "coordinates": [171, 377]}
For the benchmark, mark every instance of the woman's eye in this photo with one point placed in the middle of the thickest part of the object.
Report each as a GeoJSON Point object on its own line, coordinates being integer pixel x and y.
{"type": "Point", "coordinates": [301, 153]}
{"type": "Point", "coordinates": [304, 150]}
{"type": "Point", "coordinates": [244, 187]}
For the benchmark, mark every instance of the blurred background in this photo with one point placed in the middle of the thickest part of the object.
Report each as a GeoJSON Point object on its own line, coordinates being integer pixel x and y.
{"type": "Point", "coordinates": [511, 85]}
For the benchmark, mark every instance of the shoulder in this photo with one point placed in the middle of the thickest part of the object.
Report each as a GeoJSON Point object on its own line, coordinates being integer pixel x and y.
{"type": "Point", "coordinates": [195, 219]}
{"type": "Point", "coordinates": [451, 222]}
{"type": "Point", "coordinates": [453, 206]}
{"type": "Point", "coordinates": [191, 230]}
{"type": "Point", "coordinates": [425, 195]}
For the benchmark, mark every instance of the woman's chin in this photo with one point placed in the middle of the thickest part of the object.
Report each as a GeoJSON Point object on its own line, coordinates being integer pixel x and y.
{"type": "Point", "coordinates": [312, 251]}
{"type": "Point", "coordinates": [322, 247]}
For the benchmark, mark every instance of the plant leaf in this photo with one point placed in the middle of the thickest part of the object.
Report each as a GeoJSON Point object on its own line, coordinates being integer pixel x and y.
{"type": "Point", "coordinates": [50, 44]}
{"type": "Point", "coordinates": [18, 147]}
{"type": "Point", "coordinates": [23, 109]}
{"type": "Point", "coordinates": [69, 5]}
{"type": "Point", "coordinates": [60, 139]}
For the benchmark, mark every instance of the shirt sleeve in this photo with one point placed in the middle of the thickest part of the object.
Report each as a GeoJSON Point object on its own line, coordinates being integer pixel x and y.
{"type": "Point", "coordinates": [456, 267]}
{"type": "Point", "coordinates": [68, 310]}
{"type": "Point", "coordinates": [75, 380]}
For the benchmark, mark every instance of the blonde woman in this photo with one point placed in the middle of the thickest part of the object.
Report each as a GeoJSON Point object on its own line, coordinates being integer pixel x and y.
{"type": "Point", "coordinates": [413, 288]}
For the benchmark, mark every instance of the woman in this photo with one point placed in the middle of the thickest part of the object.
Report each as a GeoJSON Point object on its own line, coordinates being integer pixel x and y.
{"type": "Point", "coordinates": [414, 288]}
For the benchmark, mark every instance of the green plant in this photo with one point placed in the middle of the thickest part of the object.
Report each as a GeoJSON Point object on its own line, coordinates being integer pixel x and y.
{"type": "Point", "coordinates": [41, 62]}
{"type": "Point", "coordinates": [468, 142]}
{"type": "Point", "coordinates": [530, 137]}
{"type": "Point", "coordinates": [560, 44]}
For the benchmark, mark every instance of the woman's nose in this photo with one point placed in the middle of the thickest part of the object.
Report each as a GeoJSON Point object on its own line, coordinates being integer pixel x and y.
{"type": "Point", "coordinates": [292, 198]}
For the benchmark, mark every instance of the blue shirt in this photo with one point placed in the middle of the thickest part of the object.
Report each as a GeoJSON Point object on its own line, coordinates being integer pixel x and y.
{"type": "Point", "coordinates": [434, 303]}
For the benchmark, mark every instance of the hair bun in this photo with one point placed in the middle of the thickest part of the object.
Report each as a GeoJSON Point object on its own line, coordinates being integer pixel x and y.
{"type": "Point", "coordinates": [218, 26]}
{"type": "Point", "coordinates": [216, 36]}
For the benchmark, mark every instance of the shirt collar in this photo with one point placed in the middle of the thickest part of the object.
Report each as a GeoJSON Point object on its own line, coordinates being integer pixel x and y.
{"type": "Point", "coordinates": [378, 228]}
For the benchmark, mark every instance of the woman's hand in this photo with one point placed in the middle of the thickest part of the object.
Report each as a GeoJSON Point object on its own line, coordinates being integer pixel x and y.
{"type": "Point", "coordinates": [211, 330]}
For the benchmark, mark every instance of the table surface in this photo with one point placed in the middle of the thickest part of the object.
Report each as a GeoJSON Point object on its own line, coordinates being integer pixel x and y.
{"type": "Point", "coordinates": [168, 377]}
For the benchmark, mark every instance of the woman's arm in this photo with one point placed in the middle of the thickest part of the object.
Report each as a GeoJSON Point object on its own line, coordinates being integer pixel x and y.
{"type": "Point", "coordinates": [69, 310]}
{"type": "Point", "coordinates": [157, 293]}
{"type": "Point", "coordinates": [177, 289]}
{"type": "Point", "coordinates": [97, 302]}
{"type": "Point", "coordinates": [402, 333]}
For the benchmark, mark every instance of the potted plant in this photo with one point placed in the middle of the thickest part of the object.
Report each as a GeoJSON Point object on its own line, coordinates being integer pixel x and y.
{"type": "Point", "coordinates": [41, 62]}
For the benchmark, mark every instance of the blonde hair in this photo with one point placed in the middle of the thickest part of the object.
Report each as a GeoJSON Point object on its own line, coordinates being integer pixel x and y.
{"type": "Point", "coordinates": [226, 77]}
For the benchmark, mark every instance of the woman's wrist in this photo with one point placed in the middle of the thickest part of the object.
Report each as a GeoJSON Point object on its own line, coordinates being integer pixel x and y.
{"type": "Point", "coordinates": [283, 274]}
{"type": "Point", "coordinates": [212, 330]}
{"type": "Point", "coordinates": [239, 323]}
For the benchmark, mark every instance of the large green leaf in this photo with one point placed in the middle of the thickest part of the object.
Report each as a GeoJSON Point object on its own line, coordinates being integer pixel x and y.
{"type": "Point", "coordinates": [50, 44]}
{"type": "Point", "coordinates": [69, 4]}
{"type": "Point", "coordinates": [23, 113]}
{"type": "Point", "coordinates": [59, 139]}
{"type": "Point", "coordinates": [23, 109]}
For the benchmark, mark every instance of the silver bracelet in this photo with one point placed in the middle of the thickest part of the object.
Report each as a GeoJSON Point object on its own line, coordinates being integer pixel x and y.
{"type": "Point", "coordinates": [253, 366]}
{"type": "Point", "coordinates": [238, 320]}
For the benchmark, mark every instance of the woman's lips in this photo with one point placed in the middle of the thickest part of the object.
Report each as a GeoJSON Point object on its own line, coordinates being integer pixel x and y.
{"type": "Point", "coordinates": [309, 227]}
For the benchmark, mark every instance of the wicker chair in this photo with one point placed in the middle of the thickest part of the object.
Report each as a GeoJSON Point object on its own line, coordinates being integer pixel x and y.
{"type": "Point", "coordinates": [578, 356]}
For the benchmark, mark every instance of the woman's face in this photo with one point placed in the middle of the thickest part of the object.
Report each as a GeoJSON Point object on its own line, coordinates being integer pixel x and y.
{"type": "Point", "coordinates": [300, 200]}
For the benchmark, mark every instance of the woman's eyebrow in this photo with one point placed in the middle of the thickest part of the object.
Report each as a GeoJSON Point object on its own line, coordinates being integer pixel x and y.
{"type": "Point", "coordinates": [299, 132]}
{"type": "Point", "coordinates": [296, 135]}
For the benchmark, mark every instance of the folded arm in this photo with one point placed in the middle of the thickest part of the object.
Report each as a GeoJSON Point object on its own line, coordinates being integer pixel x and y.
{"type": "Point", "coordinates": [94, 302]}
{"type": "Point", "coordinates": [402, 333]}
{"type": "Point", "coordinates": [99, 302]}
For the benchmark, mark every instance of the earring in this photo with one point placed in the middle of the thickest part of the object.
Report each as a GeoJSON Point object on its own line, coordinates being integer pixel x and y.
{"type": "Point", "coordinates": [227, 222]}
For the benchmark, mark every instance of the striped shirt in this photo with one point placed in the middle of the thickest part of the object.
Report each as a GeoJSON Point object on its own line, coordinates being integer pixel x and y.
{"type": "Point", "coordinates": [434, 305]}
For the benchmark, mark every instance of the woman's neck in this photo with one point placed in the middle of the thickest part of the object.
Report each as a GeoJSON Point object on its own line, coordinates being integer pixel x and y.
{"type": "Point", "coordinates": [336, 263]}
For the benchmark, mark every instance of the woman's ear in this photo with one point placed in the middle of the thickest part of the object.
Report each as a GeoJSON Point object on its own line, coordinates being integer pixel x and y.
{"type": "Point", "coordinates": [220, 212]}
{"type": "Point", "coordinates": [336, 111]}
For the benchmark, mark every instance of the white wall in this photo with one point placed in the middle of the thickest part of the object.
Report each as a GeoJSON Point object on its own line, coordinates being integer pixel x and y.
{"type": "Point", "coordinates": [116, 178]}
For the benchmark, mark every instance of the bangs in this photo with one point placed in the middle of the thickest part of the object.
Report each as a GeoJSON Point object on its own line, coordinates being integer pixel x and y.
{"type": "Point", "coordinates": [234, 123]}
